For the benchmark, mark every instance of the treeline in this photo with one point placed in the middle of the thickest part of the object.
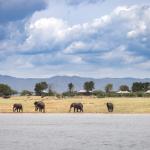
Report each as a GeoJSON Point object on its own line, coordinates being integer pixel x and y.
{"type": "Point", "coordinates": [138, 89]}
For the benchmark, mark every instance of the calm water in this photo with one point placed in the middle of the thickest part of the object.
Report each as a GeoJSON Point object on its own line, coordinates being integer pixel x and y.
{"type": "Point", "coordinates": [74, 132]}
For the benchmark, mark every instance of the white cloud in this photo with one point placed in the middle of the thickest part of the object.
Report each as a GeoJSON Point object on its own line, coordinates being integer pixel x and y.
{"type": "Point", "coordinates": [121, 53]}
{"type": "Point", "coordinates": [121, 36]}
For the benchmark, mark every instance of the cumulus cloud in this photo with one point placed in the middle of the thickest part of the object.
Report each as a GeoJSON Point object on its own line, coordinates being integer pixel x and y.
{"type": "Point", "coordinates": [118, 40]}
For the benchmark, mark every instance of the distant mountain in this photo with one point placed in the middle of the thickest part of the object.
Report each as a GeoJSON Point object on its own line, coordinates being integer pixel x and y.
{"type": "Point", "coordinates": [59, 83]}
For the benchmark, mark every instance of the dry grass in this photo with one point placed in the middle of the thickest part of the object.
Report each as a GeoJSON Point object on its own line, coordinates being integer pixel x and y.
{"type": "Point", "coordinates": [91, 105]}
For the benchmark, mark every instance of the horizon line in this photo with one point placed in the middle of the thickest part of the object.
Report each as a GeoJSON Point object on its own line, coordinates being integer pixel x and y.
{"type": "Point", "coordinates": [73, 76]}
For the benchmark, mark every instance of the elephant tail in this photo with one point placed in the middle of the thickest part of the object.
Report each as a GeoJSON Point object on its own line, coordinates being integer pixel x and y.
{"type": "Point", "coordinates": [13, 109]}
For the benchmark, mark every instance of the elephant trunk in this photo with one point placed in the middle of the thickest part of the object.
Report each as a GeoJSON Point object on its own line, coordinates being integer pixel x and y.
{"type": "Point", "coordinates": [70, 109]}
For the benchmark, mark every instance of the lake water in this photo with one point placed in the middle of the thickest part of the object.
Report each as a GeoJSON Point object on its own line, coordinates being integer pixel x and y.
{"type": "Point", "coordinates": [74, 132]}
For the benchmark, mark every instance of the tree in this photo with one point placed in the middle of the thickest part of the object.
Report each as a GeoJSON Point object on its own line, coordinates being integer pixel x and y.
{"type": "Point", "coordinates": [140, 87]}
{"type": "Point", "coordinates": [26, 93]}
{"type": "Point", "coordinates": [146, 86]}
{"type": "Point", "coordinates": [137, 87]}
{"type": "Point", "coordinates": [108, 88]}
{"type": "Point", "coordinates": [5, 90]}
{"type": "Point", "coordinates": [70, 87]}
{"type": "Point", "coordinates": [89, 86]}
{"type": "Point", "coordinates": [124, 88]}
{"type": "Point", "coordinates": [40, 87]}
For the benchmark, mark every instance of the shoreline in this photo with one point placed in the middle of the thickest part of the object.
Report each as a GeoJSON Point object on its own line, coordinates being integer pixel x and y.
{"type": "Point", "coordinates": [59, 113]}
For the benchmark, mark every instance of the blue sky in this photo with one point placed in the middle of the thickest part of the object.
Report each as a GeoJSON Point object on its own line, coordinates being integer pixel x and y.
{"type": "Point", "coordinates": [91, 38]}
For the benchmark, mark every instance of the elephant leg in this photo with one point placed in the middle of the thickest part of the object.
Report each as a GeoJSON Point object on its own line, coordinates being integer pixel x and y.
{"type": "Point", "coordinates": [36, 108]}
{"type": "Point", "coordinates": [76, 109]}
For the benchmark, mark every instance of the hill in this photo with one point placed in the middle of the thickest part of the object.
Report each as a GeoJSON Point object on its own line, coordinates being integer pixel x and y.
{"type": "Point", "coordinates": [59, 83]}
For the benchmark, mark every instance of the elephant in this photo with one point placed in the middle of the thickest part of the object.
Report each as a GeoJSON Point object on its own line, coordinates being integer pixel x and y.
{"type": "Point", "coordinates": [76, 106]}
{"type": "Point", "coordinates": [110, 107]}
{"type": "Point", "coordinates": [39, 106]}
{"type": "Point", "coordinates": [17, 108]}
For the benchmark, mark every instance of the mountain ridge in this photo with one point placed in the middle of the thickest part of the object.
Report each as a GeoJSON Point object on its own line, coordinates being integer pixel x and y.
{"type": "Point", "coordinates": [59, 83]}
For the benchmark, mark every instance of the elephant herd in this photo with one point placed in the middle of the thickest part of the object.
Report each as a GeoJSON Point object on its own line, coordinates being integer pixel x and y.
{"type": "Point", "coordinates": [40, 106]}
{"type": "Point", "coordinates": [78, 107]}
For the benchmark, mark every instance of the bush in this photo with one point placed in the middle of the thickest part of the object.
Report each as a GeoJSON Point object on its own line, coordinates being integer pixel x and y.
{"type": "Point", "coordinates": [70, 94]}
{"type": "Point", "coordinates": [99, 94]}
{"type": "Point", "coordinates": [5, 90]}
{"type": "Point", "coordinates": [147, 95]}
{"type": "Point", "coordinates": [26, 93]}
{"type": "Point", "coordinates": [139, 94]}
{"type": "Point", "coordinates": [113, 94]}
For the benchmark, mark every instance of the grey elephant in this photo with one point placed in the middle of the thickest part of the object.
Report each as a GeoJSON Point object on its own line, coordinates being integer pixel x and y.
{"type": "Point", "coordinates": [78, 107]}
{"type": "Point", "coordinates": [17, 108]}
{"type": "Point", "coordinates": [110, 107]}
{"type": "Point", "coordinates": [39, 106]}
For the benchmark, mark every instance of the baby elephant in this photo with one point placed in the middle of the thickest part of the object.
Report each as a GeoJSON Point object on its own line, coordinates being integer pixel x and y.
{"type": "Point", "coordinates": [110, 107]}
{"type": "Point", "coordinates": [17, 108]}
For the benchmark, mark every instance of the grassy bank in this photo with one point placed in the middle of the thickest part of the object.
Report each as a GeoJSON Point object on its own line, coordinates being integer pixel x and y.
{"type": "Point", "coordinates": [91, 105]}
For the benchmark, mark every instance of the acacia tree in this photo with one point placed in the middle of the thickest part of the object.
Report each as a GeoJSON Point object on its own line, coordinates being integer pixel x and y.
{"type": "Point", "coordinates": [124, 88]}
{"type": "Point", "coordinates": [108, 88]}
{"type": "Point", "coordinates": [5, 90]}
{"type": "Point", "coordinates": [40, 87]}
{"type": "Point", "coordinates": [140, 87]}
{"type": "Point", "coordinates": [89, 86]}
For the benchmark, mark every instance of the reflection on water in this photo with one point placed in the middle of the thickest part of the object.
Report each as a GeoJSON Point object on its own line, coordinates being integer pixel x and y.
{"type": "Point", "coordinates": [74, 132]}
